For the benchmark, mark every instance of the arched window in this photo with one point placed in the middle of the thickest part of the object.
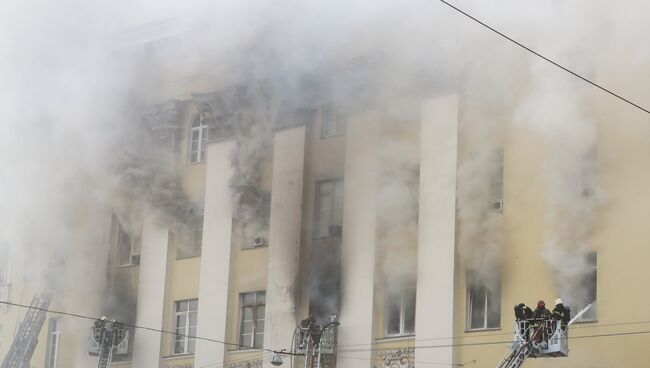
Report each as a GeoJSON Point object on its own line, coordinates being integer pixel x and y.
{"type": "Point", "coordinates": [198, 138]}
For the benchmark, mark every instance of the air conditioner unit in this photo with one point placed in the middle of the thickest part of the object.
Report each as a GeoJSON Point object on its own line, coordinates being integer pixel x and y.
{"type": "Point", "coordinates": [497, 205]}
{"type": "Point", "coordinates": [259, 241]}
{"type": "Point", "coordinates": [335, 230]}
{"type": "Point", "coordinates": [135, 259]}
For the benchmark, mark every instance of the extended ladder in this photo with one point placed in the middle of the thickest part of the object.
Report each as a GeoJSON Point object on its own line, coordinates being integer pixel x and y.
{"type": "Point", "coordinates": [24, 344]}
{"type": "Point", "coordinates": [520, 349]}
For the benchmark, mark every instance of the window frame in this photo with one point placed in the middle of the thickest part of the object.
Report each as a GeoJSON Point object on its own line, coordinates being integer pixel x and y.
{"type": "Point", "coordinates": [187, 337]}
{"type": "Point", "coordinates": [402, 312]}
{"type": "Point", "coordinates": [134, 243]}
{"type": "Point", "coordinates": [336, 203]}
{"type": "Point", "coordinates": [486, 307]}
{"type": "Point", "coordinates": [592, 314]}
{"type": "Point", "coordinates": [333, 121]}
{"type": "Point", "coordinates": [200, 126]}
{"type": "Point", "coordinates": [196, 239]}
{"type": "Point", "coordinates": [497, 181]}
{"type": "Point", "coordinates": [53, 343]}
{"type": "Point", "coordinates": [254, 321]}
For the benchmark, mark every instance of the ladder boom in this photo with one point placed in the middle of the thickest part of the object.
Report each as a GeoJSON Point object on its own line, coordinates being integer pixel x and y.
{"type": "Point", "coordinates": [23, 346]}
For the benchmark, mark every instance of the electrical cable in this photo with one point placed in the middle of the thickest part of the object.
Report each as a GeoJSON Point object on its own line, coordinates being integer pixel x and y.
{"type": "Point", "coordinates": [643, 332]}
{"type": "Point", "coordinates": [76, 315]}
{"type": "Point", "coordinates": [573, 327]}
{"type": "Point", "coordinates": [284, 352]}
{"type": "Point", "coordinates": [544, 57]}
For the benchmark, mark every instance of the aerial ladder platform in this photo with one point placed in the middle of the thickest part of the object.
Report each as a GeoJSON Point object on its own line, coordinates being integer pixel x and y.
{"type": "Point", "coordinates": [24, 344]}
{"type": "Point", "coordinates": [539, 338]}
{"type": "Point", "coordinates": [108, 338]}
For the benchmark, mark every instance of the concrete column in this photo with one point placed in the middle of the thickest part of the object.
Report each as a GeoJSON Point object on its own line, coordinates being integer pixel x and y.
{"type": "Point", "coordinates": [437, 221]}
{"type": "Point", "coordinates": [215, 255]}
{"type": "Point", "coordinates": [152, 288]}
{"type": "Point", "coordinates": [284, 238]}
{"type": "Point", "coordinates": [358, 242]}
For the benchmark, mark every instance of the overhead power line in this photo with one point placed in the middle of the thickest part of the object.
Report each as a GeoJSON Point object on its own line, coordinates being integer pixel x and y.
{"type": "Point", "coordinates": [285, 352]}
{"type": "Point", "coordinates": [631, 333]}
{"type": "Point", "coordinates": [76, 315]}
{"type": "Point", "coordinates": [457, 337]}
{"type": "Point", "coordinates": [545, 58]}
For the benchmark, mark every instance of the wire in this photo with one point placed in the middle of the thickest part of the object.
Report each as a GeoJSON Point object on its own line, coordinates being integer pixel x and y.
{"type": "Point", "coordinates": [76, 315]}
{"type": "Point", "coordinates": [573, 327]}
{"type": "Point", "coordinates": [284, 352]}
{"type": "Point", "coordinates": [545, 58]}
{"type": "Point", "coordinates": [506, 342]}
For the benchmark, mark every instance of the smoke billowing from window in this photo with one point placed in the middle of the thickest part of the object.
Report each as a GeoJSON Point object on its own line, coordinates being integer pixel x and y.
{"type": "Point", "coordinates": [79, 80]}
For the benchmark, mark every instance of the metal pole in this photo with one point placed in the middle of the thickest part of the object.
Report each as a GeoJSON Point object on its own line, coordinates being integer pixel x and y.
{"type": "Point", "coordinates": [319, 350]}
{"type": "Point", "coordinates": [307, 353]}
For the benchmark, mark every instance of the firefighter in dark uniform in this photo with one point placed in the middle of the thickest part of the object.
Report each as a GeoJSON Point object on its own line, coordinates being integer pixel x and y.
{"type": "Point", "coordinates": [541, 315]}
{"type": "Point", "coordinates": [524, 315]}
{"type": "Point", "coordinates": [561, 313]}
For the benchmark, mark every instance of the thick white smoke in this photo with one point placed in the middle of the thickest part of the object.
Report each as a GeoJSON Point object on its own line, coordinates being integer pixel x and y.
{"type": "Point", "coordinates": [77, 78]}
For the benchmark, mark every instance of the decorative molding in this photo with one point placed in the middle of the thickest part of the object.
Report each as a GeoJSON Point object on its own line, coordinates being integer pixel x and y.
{"type": "Point", "coordinates": [188, 365]}
{"type": "Point", "coordinates": [396, 358]}
{"type": "Point", "coordinates": [254, 363]}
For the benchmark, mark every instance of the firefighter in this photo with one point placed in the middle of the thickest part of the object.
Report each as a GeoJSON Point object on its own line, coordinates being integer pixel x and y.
{"type": "Point", "coordinates": [541, 312]}
{"type": "Point", "coordinates": [542, 317]}
{"type": "Point", "coordinates": [306, 327]}
{"type": "Point", "coordinates": [523, 314]}
{"type": "Point", "coordinates": [561, 313]}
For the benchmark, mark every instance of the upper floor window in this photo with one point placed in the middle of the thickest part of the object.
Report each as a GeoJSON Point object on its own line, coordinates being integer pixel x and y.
{"type": "Point", "coordinates": [332, 121]}
{"type": "Point", "coordinates": [400, 317]}
{"type": "Point", "coordinates": [185, 312]}
{"type": "Point", "coordinates": [198, 138]}
{"type": "Point", "coordinates": [329, 208]}
{"type": "Point", "coordinates": [588, 290]}
{"type": "Point", "coordinates": [496, 181]}
{"type": "Point", "coordinates": [251, 327]}
{"type": "Point", "coordinates": [483, 307]}
{"type": "Point", "coordinates": [127, 244]}
{"type": "Point", "coordinates": [192, 246]}
{"type": "Point", "coordinates": [53, 341]}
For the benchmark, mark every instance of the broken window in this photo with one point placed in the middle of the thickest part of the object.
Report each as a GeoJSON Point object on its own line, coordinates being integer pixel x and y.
{"type": "Point", "coordinates": [329, 208]}
{"type": "Point", "coordinates": [198, 138]}
{"type": "Point", "coordinates": [332, 121]}
{"type": "Point", "coordinates": [496, 181]}
{"type": "Point", "coordinates": [185, 313]}
{"type": "Point", "coordinates": [589, 285]}
{"type": "Point", "coordinates": [190, 245]}
{"type": "Point", "coordinates": [251, 327]}
{"type": "Point", "coordinates": [483, 307]}
{"type": "Point", "coordinates": [53, 339]}
{"type": "Point", "coordinates": [127, 244]}
{"type": "Point", "coordinates": [400, 317]}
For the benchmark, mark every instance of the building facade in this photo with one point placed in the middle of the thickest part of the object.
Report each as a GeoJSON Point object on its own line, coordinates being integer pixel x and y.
{"type": "Point", "coordinates": [417, 227]}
